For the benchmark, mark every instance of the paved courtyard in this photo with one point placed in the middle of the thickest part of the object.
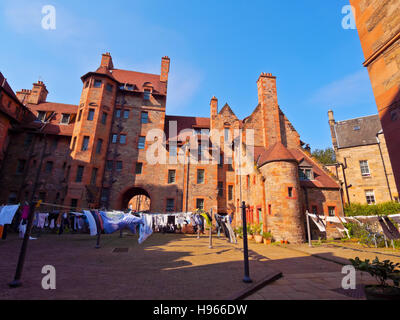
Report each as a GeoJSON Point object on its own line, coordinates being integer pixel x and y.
{"type": "Point", "coordinates": [179, 267]}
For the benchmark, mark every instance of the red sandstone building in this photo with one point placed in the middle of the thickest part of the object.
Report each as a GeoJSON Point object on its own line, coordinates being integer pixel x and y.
{"type": "Point", "coordinates": [95, 154]}
{"type": "Point", "coordinates": [378, 24]}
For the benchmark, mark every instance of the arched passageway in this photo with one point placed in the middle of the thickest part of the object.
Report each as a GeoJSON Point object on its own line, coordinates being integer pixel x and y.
{"type": "Point", "coordinates": [137, 199]}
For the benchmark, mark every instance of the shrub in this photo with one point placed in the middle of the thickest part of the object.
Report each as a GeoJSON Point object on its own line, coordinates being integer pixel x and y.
{"type": "Point", "coordinates": [381, 209]}
{"type": "Point", "coordinates": [382, 271]}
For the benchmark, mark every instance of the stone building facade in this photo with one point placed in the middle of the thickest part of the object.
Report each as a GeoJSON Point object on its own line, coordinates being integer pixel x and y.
{"type": "Point", "coordinates": [378, 24]}
{"type": "Point", "coordinates": [118, 143]}
{"type": "Point", "coordinates": [361, 150]}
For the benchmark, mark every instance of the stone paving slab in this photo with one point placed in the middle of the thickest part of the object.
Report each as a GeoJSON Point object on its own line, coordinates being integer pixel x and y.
{"type": "Point", "coordinates": [164, 267]}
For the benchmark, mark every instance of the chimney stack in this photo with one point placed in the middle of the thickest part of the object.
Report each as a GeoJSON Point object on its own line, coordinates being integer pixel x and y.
{"type": "Point", "coordinates": [268, 100]}
{"type": "Point", "coordinates": [165, 63]}
{"type": "Point", "coordinates": [332, 124]}
{"type": "Point", "coordinates": [106, 61]}
{"type": "Point", "coordinates": [37, 95]}
{"type": "Point", "coordinates": [214, 106]}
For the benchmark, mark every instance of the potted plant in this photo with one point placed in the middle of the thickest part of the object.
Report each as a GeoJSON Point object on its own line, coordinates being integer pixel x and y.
{"type": "Point", "coordinates": [250, 232]}
{"type": "Point", "coordinates": [257, 233]}
{"type": "Point", "coordinates": [239, 232]}
{"type": "Point", "coordinates": [267, 237]}
{"type": "Point", "coordinates": [382, 271]}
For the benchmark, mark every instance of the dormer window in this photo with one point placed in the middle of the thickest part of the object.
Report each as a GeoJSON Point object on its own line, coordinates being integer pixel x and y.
{"type": "Point", "coordinates": [306, 174]}
{"type": "Point", "coordinates": [146, 95]}
{"type": "Point", "coordinates": [129, 87]}
{"type": "Point", "coordinates": [65, 118]}
{"type": "Point", "coordinates": [41, 116]}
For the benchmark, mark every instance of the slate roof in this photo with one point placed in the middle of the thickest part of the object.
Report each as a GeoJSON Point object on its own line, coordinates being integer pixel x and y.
{"type": "Point", "coordinates": [357, 132]}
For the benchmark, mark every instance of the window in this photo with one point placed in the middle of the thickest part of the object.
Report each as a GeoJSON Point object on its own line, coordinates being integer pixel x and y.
{"type": "Point", "coordinates": [129, 87]}
{"type": "Point", "coordinates": [55, 143]}
{"type": "Point", "coordinates": [290, 192]}
{"type": "Point", "coordinates": [122, 139]}
{"type": "Point", "coordinates": [118, 113]}
{"type": "Point", "coordinates": [370, 195]}
{"type": "Point", "coordinates": [171, 176]}
{"type": "Point", "coordinates": [220, 189]}
{"type": "Point", "coordinates": [91, 115]}
{"type": "Point", "coordinates": [114, 138]}
{"type": "Point", "coordinates": [109, 87]}
{"type": "Point", "coordinates": [221, 160]}
{"type": "Point", "coordinates": [306, 174]}
{"type": "Point", "coordinates": [28, 139]}
{"type": "Point", "coordinates": [85, 143]}
{"type": "Point", "coordinates": [109, 165]}
{"type": "Point", "coordinates": [146, 95]}
{"type": "Point", "coordinates": [200, 204]}
{"type": "Point", "coordinates": [41, 116]}
{"type": "Point", "coordinates": [248, 181]}
{"type": "Point", "coordinates": [104, 118]}
{"type": "Point", "coordinates": [126, 114]}
{"type": "Point", "coordinates": [364, 168]}
{"type": "Point", "coordinates": [118, 166]}
{"type": "Point", "coordinates": [226, 134]}
{"type": "Point", "coordinates": [97, 84]}
{"type": "Point", "coordinates": [230, 193]}
{"type": "Point", "coordinates": [357, 128]}
{"type": "Point", "coordinates": [87, 84]}
{"type": "Point", "coordinates": [49, 166]}
{"type": "Point", "coordinates": [332, 211]}
{"type": "Point", "coordinates": [393, 115]}
{"type": "Point", "coordinates": [80, 115]}
{"type": "Point", "coordinates": [42, 196]}
{"type": "Point", "coordinates": [94, 176]}
{"type": "Point", "coordinates": [65, 117]}
{"type": "Point", "coordinates": [139, 168]}
{"type": "Point", "coordinates": [105, 194]}
{"type": "Point", "coordinates": [144, 117]}
{"type": "Point", "coordinates": [142, 143]}
{"type": "Point", "coordinates": [200, 176]}
{"type": "Point", "coordinates": [12, 198]}
{"type": "Point", "coordinates": [99, 146]}
{"type": "Point", "coordinates": [74, 203]}
{"type": "Point", "coordinates": [21, 166]}
{"type": "Point", "coordinates": [173, 150]}
{"type": "Point", "coordinates": [314, 210]}
{"type": "Point", "coordinates": [73, 143]}
{"type": "Point", "coordinates": [170, 205]}
{"type": "Point", "coordinates": [79, 174]}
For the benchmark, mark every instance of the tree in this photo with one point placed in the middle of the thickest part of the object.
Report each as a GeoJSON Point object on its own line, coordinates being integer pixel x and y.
{"type": "Point", "coordinates": [326, 156]}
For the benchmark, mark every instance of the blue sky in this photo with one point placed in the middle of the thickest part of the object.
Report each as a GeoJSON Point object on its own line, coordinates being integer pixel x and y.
{"type": "Point", "coordinates": [216, 48]}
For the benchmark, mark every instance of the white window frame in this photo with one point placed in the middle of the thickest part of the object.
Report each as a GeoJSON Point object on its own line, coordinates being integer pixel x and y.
{"type": "Point", "coordinates": [365, 174]}
{"type": "Point", "coordinates": [369, 195]}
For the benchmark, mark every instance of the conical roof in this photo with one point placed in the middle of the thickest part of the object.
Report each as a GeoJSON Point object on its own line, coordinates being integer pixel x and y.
{"type": "Point", "coordinates": [278, 152]}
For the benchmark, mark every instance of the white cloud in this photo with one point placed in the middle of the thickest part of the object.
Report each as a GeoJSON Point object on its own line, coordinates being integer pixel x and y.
{"type": "Point", "coordinates": [352, 89]}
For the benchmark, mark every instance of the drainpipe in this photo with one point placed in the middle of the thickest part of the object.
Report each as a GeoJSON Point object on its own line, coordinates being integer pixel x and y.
{"type": "Point", "coordinates": [344, 167]}
{"type": "Point", "coordinates": [341, 188]}
{"type": "Point", "coordinates": [383, 162]}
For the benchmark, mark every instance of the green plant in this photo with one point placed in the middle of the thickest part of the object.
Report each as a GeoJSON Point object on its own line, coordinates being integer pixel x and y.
{"type": "Point", "coordinates": [267, 235]}
{"type": "Point", "coordinates": [239, 231]}
{"type": "Point", "coordinates": [382, 271]}
{"type": "Point", "coordinates": [250, 230]}
{"type": "Point", "coordinates": [257, 229]}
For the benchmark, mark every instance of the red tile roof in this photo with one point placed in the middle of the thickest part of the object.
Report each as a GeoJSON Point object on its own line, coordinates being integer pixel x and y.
{"type": "Point", "coordinates": [54, 127]}
{"type": "Point", "coordinates": [278, 152]}
{"type": "Point", "coordinates": [186, 123]}
{"type": "Point", "coordinates": [139, 78]}
{"type": "Point", "coordinates": [321, 178]}
{"type": "Point", "coordinates": [4, 84]}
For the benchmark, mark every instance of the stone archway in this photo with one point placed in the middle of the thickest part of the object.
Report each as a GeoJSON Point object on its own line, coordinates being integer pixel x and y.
{"type": "Point", "coordinates": [137, 199]}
